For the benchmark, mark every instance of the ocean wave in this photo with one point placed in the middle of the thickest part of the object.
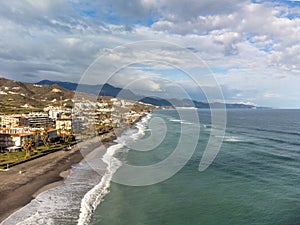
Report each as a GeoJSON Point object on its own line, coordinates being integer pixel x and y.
{"type": "Point", "coordinates": [180, 121]}
{"type": "Point", "coordinates": [286, 132]}
{"type": "Point", "coordinates": [141, 126]}
{"type": "Point", "coordinates": [94, 197]}
{"type": "Point", "coordinates": [278, 156]}
{"type": "Point", "coordinates": [58, 205]}
{"type": "Point", "coordinates": [211, 127]}
{"type": "Point", "coordinates": [233, 139]}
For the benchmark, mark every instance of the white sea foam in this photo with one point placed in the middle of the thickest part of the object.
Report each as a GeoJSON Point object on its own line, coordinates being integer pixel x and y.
{"type": "Point", "coordinates": [233, 139]}
{"type": "Point", "coordinates": [94, 197]}
{"type": "Point", "coordinates": [180, 121]}
{"type": "Point", "coordinates": [175, 120]}
{"type": "Point", "coordinates": [58, 205]}
{"type": "Point", "coordinates": [141, 126]}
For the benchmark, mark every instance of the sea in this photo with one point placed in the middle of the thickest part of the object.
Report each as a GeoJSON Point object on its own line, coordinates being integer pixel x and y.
{"type": "Point", "coordinates": [254, 178]}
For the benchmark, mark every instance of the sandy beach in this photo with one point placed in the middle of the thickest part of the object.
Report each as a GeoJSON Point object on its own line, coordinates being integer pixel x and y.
{"type": "Point", "coordinates": [19, 188]}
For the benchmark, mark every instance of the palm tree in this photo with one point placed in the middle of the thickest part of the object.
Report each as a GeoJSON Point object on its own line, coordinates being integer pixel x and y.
{"type": "Point", "coordinates": [45, 138]}
{"type": "Point", "coordinates": [69, 136]}
{"type": "Point", "coordinates": [26, 145]}
{"type": "Point", "coordinates": [36, 134]}
{"type": "Point", "coordinates": [59, 130]}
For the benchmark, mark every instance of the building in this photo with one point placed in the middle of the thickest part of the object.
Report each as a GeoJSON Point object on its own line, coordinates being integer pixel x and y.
{"type": "Point", "coordinates": [63, 125]}
{"type": "Point", "coordinates": [6, 140]}
{"type": "Point", "coordinates": [13, 121]}
{"type": "Point", "coordinates": [38, 119]}
{"type": "Point", "coordinates": [15, 136]}
{"type": "Point", "coordinates": [19, 138]}
{"type": "Point", "coordinates": [57, 112]}
{"type": "Point", "coordinates": [52, 133]}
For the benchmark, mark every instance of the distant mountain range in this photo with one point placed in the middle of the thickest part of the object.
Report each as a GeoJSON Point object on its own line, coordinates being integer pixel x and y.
{"type": "Point", "coordinates": [109, 90]}
{"type": "Point", "coordinates": [19, 97]}
{"type": "Point", "coordinates": [101, 90]}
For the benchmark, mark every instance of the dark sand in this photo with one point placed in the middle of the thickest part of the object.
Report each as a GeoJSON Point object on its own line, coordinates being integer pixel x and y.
{"type": "Point", "coordinates": [18, 189]}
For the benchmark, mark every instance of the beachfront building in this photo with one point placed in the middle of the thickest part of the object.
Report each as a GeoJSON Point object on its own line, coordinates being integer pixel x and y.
{"type": "Point", "coordinates": [14, 137]}
{"type": "Point", "coordinates": [18, 138]}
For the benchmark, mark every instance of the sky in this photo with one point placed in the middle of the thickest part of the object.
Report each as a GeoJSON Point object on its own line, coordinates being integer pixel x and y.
{"type": "Point", "coordinates": [249, 49]}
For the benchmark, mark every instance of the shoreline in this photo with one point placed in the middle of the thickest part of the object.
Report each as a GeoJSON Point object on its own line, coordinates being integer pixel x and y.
{"type": "Point", "coordinates": [63, 175]}
{"type": "Point", "coordinates": [41, 174]}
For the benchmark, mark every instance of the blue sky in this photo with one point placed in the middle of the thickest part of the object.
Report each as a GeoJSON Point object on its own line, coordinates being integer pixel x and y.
{"type": "Point", "coordinates": [251, 48]}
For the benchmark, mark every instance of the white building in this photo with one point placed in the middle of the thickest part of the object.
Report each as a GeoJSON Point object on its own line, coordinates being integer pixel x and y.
{"type": "Point", "coordinates": [14, 137]}
{"type": "Point", "coordinates": [12, 120]}
{"type": "Point", "coordinates": [63, 124]}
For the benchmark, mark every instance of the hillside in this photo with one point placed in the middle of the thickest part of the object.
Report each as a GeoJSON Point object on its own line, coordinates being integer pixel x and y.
{"type": "Point", "coordinates": [19, 96]}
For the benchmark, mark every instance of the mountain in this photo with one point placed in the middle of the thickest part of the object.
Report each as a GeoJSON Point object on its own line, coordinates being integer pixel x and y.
{"type": "Point", "coordinates": [19, 97]}
{"type": "Point", "coordinates": [22, 96]}
{"type": "Point", "coordinates": [66, 85]}
{"type": "Point", "coordinates": [102, 90]}
{"type": "Point", "coordinates": [109, 90]}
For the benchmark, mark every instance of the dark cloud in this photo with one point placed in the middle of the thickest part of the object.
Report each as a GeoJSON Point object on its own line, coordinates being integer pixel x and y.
{"type": "Point", "coordinates": [30, 76]}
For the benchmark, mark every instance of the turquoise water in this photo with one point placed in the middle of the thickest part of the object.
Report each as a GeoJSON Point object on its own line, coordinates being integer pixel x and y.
{"type": "Point", "coordinates": [255, 179]}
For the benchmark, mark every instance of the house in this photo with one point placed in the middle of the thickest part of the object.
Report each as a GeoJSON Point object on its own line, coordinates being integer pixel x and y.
{"type": "Point", "coordinates": [19, 138]}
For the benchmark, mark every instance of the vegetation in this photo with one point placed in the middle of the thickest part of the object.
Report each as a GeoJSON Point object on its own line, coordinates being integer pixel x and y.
{"type": "Point", "coordinates": [103, 128]}
{"type": "Point", "coordinates": [9, 159]}
{"type": "Point", "coordinates": [27, 145]}
{"type": "Point", "coordinates": [69, 136]}
{"type": "Point", "coordinates": [45, 139]}
{"type": "Point", "coordinates": [36, 135]}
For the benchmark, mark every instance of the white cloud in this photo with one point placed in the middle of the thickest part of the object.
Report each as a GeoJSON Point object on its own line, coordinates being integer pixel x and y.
{"type": "Point", "coordinates": [253, 45]}
{"type": "Point", "coordinates": [271, 95]}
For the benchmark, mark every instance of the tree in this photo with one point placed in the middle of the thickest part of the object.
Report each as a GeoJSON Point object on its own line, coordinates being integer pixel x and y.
{"type": "Point", "coordinates": [26, 145]}
{"type": "Point", "coordinates": [69, 136]}
{"type": "Point", "coordinates": [45, 139]}
{"type": "Point", "coordinates": [36, 134]}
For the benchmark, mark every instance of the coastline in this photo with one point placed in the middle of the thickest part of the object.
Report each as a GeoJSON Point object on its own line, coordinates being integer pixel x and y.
{"type": "Point", "coordinates": [44, 173]}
